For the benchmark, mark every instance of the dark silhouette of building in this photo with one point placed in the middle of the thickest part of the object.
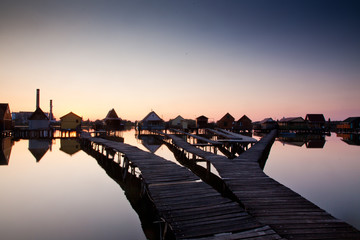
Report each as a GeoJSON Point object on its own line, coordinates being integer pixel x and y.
{"type": "Point", "coordinates": [226, 122]}
{"type": "Point", "coordinates": [202, 122]}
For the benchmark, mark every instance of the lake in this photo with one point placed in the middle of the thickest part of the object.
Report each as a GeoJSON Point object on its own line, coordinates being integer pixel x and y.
{"type": "Point", "coordinates": [53, 190]}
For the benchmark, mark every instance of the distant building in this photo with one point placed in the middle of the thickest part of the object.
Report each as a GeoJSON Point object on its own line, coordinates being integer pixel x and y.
{"type": "Point", "coordinates": [38, 120]}
{"type": "Point", "coordinates": [243, 124]}
{"type": "Point", "coordinates": [202, 122]}
{"type": "Point", "coordinates": [112, 121]}
{"type": "Point", "coordinates": [152, 122]}
{"type": "Point", "coordinates": [5, 118]}
{"type": "Point", "coordinates": [265, 124]}
{"type": "Point", "coordinates": [351, 124]}
{"type": "Point", "coordinates": [226, 122]}
{"type": "Point", "coordinates": [176, 122]}
{"type": "Point", "coordinates": [315, 121]}
{"type": "Point", "coordinates": [70, 121]}
{"type": "Point", "coordinates": [292, 123]}
{"type": "Point", "coordinates": [21, 118]}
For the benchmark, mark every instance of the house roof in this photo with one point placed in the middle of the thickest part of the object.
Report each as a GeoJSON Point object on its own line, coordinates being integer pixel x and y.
{"type": "Point", "coordinates": [267, 120]}
{"type": "Point", "coordinates": [292, 119]}
{"type": "Point", "coordinates": [112, 115]}
{"type": "Point", "coordinates": [3, 109]}
{"type": "Point", "coordinates": [352, 119]}
{"type": "Point", "coordinates": [226, 117]}
{"type": "Point", "coordinates": [69, 114]}
{"type": "Point", "coordinates": [315, 117]}
{"type": "Point", "coordinates": [38, 115]}
{"type": "Point", "coordinates": [244, 118]}
{"type": "Point", "coordinates": [152, 116]}
{"type": "Point", "coordinates": [202, 117]}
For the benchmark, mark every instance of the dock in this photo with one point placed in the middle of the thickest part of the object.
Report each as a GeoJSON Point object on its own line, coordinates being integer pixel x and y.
{"type": "Point", "coordinates": [191, 208]}
{"type": "Point", "coordinates": [231, 136]}
{"type": "Point", "coordinates": [273, 204]}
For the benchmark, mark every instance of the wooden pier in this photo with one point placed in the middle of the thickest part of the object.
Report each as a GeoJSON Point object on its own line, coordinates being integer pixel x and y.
{"type": "Point", "coordinates": [190, 207]}
{"type": "Point", "coordinates": [271, 203]}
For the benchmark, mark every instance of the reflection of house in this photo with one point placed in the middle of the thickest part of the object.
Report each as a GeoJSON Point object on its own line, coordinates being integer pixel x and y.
{"type": "Point", "coordinates": [292, 123]}
{"type": "Point", "coordinates": [39, 147]}
{"type": "Point", "coordinates": [350, 138]}
{"type": "Point", "coordinates": [5, 118]}
{"type": "Point", "coordinates": [152, 122]}
{"type": "Point", "coordinates": [112, 121]}
{"type": "Point", "coordinates": [69, 146]}
{"type": "Point", "coordinates": [315, 143]}
{"type": "Point", "coordinates": [150, 142]}
{"type": "Point", "coordinates": [243, 124]}
{"type": "Point", "coordinates": [202, 122]}
{"type": "Point", "coordinates": [5, 150]}
{"type": "Point", "coordinates": [38, 120]}
{"type": "Point", "coordinates": [315, 121]}
{"type": "Point", "coordinates": [70, 121]}
{"type": "Point", "coordinates": [226, 122]}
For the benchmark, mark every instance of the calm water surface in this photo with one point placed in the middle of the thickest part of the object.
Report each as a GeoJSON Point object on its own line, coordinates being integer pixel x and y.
{"type": "Point", "coordinates": [59, 192]}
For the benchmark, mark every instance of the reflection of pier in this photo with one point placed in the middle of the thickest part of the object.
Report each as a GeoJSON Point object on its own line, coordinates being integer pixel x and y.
{"type": "Point", "coordinates": [5, 150]}
{"type": "Point", "coordinates": [191, 208]}
{"type": "Point", "coordinates": [271, 203]}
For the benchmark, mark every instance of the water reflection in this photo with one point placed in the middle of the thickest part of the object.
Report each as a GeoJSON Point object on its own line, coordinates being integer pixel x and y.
{"type": "Point", "coordinates": [5, 150]}
{"type": "Point", "coordinates": [350, 138]}
{"type": "Point", "coordinates": [310, 140]}
{"type": "Point", "coordinates": [150, 142]}
{"type": "Point", "coordinates": [39, 147]}
{"type": "Point", "coordinates": [69, 146]}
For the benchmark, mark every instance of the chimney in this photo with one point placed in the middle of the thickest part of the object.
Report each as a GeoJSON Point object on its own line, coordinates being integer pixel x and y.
{"type": "Point", "coordinates": [51, 114]}
{"type": "Point", "coordinates": [37, 98]}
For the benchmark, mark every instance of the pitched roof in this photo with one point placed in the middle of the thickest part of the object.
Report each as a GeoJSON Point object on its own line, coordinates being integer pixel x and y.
{"type": "Point", "coordinates": [226, 117]}
{"type": "Point", "coordinates": [351, 119]}
{"type": "Point", "coordinates": [267, 120]}
{"type": "Point", "coordinates": [202, 117]}
{"type": "Point", "coordinates": [244, 118]}
{"type": "Point", "coordinates": [70, 113]}
{"type": "Point", "coordinates": [112, 115]}
{"type": "Point", "coordinates": [3, 109]}
{"type": "Point", "coordinates": [152, 116]}
{"type": "Point", "coordinates": [315, 117]}
{"type": "Point", "coordinates": [38, 115]}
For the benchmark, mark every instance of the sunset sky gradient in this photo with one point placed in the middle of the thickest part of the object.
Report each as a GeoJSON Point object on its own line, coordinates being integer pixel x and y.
{"type": "Point", "coordinates": [190, 57]}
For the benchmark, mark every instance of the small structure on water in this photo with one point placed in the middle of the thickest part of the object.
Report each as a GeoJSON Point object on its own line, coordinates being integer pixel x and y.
{"type": "Point", "coordinates": [152, 122]}
{"type": "Point", "coordinates": [292, 123]}
{"type": "Point", "coordinates": [70, 121]}
{"type": "Point", "coordinates": [5, 119]}
{"type": "Point", "coordinates": [351, 124]}
{"type": "Point", "coordinates": [202, 122]}
{"type": "Point", "coordinates": [226, 122]}
{"type": "Point", "coordinates": [112, 121]}
{"type": "Point", "coordinates": [243, 124]}
{"type": "Point", "coordinates": [182, 123]}
{"type": "Point", "coordinates": [38, 120]}
{"type": "Point", "coordinates": [265, 124]}
{"type": "Point", "coordinates": [315, 121]}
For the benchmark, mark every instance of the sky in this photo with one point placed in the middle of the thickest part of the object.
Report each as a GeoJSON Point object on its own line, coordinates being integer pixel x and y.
{"type": "Point", "coordinates": [260, 58]}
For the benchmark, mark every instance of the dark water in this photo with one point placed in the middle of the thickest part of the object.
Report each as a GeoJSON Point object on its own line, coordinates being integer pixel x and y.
{"type": "Point", "coordinates": [53, 190]}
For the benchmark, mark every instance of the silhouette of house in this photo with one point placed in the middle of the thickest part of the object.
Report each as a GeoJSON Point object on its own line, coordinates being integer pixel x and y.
{"type": "Point", "coordinates": [350, 124]}
{"type": "Point", "coordinates": [202, 122]}
{"type": "Point", "coordinates": [243, 124]}
{"type": "Point", "coordinates": [315, 121]}
{"type": "Point", "coordinates": [265, 124]}
{"type": "Point", "coordinates": [112, 121]}
{"type": "Point", "coordinates": [176, 122]}
{"type": "Point", "coordinates": [38, 120]}
{"type": "Point", "coordinates": [70, 121]}
{"type": "Point", "coordinates": [226, 122]}
{"type": "Point", "coordinates": [5, 118]}
{"type": "Point", "coordinates": [292, 123]}
{"type": "Point", "coordinates": [152, 122]}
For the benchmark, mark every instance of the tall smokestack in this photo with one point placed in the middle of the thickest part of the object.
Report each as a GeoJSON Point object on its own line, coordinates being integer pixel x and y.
{"type": "Point", "coordinates": [37, 98]}
{"type": "Point", "coordinates": [51, 114]}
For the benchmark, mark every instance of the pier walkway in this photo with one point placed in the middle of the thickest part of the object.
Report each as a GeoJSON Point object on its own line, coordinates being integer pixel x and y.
{"type": "Point", "coordinates": [230, 136]}
{"type": "Point", "coordinates": [271, 203]}
{"type": "Point", "coordinates": [190, 207]}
